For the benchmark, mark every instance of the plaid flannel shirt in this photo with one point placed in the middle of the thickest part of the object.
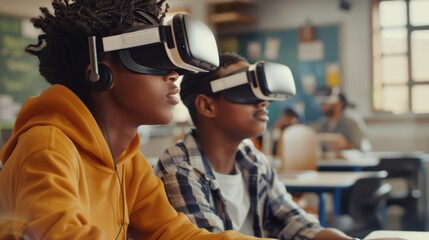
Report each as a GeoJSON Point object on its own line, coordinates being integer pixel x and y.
{"type": "Point", "coordinates": [193, 189]}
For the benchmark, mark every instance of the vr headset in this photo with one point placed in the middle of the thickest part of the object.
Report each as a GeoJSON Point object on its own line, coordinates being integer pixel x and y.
{"type": "Point", "coordinates": [260, 81]}
{"type": "Point", "coordinates": [183, 44]}
{"type": "Point", "coordinates": [327, 95]}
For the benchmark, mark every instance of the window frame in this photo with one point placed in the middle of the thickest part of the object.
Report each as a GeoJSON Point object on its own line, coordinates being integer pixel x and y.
{"type": "Point", "coordinates": [377, 56]}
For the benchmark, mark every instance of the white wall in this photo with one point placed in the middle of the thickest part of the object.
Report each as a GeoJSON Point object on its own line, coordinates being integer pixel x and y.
{"type": "Point", "coordinates": [355, 53]}
{"type": "Point", "coordinates": [197, 8]}
{"type": "Point", "coordinates": [22, 8]}
{"type": "Point", "coordinates": [355, 36]}
{"type": "Point", "coordinates": [407, 134]}
{"type": "Point", "coordinates": [278, 14]}
{"type": "Point", "coordinates": [30, 8]}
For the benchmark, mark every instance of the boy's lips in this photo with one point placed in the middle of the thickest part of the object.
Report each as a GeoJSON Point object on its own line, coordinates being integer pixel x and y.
{"type": "Point", "coordinates": [172, 96]}
{"type": "Point", "coordinates": [262, 115]}
{"type": "Point", "coordinates": [172, 99]}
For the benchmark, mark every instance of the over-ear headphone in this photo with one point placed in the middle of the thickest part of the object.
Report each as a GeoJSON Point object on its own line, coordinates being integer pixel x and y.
{"type": "Point", "coordinates": [100, 76]}
{"type": "Point", "coordinates": [145, 17]}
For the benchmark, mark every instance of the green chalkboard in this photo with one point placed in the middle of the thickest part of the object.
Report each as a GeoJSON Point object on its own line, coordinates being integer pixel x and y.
{"type": "Point", "coordinates": [19, 73]}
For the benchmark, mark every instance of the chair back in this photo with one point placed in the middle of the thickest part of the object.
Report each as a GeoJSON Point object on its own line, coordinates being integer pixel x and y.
{"type": "Point", "coordinates": [298, 148]}
{"type": "Point", "coordinates": [407, 168]}
{"type": "Point", "coordinates": [368, 198]}
{"type": "Point", "coordinates": [410, 170]}
{"type": "Point", "coordinates": [366, 206]}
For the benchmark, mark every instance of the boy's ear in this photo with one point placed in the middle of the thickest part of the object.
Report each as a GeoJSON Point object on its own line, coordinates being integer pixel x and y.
{"type": "Point", "coordinates": [205, 105]}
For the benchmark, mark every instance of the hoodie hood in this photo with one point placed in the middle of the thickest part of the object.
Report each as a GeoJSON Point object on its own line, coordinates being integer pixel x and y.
{"type": "Point", "coordinates": [59, 107]}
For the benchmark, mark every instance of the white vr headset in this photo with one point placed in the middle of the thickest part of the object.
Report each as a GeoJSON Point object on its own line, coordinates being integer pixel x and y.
{"type": "Point", "coordinates": [183, 44]}
{"type": "Point", "coordinates": [260, 81]}
{"type": "Point", "coordinates": [327, 95]}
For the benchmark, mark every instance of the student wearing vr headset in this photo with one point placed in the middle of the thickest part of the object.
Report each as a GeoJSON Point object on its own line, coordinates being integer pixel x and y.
{"type": "Point", "coordinates": [72, 167]}
{"type": "Point", "coordinates": [215, 175]}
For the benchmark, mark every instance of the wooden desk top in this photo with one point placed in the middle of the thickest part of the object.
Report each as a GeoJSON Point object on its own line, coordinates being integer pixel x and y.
{"type": "Point", "coordinates": [339, 162]}
{"type": "Point", "coordinates": [325, 179]}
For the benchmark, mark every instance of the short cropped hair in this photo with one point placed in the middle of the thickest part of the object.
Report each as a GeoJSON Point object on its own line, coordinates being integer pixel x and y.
{"type": "Point", "coordinates": [199, 83]}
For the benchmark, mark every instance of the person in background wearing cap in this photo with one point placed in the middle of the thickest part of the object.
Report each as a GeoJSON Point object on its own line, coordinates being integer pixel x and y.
{"type": "Point", "coordinates": [339, 119]}
{"type": "Point", "coordinates": [72, 168]}
{"type": "Point", "coordinates": [218, 178]}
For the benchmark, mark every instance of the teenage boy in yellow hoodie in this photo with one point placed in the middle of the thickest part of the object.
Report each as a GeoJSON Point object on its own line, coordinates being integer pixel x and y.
{"type": "Point", "coordinates": [215, 175]}
{"type": "Point", "coordinates": [72, 167]}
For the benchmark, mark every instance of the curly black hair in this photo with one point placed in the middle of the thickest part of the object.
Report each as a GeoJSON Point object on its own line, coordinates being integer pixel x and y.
{"type": "Point", "coordinates": [199, 83]}
{"type": "Point", "coordinates": [62, 48]}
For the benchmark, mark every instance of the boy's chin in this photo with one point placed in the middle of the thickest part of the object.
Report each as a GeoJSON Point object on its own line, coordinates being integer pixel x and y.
{"type": "Point", "coordinates": [161, 120]}
{"type": "Point", "coordinates": [168, 119]}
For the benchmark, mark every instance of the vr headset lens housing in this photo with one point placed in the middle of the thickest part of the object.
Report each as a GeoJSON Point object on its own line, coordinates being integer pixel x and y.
{"type": "Point", "coordinates": [158, 50]}
{"type": "Point", "coordinates": [198, 46]}
{"type": "Point", "coordinates": [260, 81]}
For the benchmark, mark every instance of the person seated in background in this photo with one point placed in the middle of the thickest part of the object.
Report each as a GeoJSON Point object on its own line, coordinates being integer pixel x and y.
{"type": "Point", "coordinates": [72, 168]}
{"type": "Point", "coordinates": [296, 148]}
{"type": "Point", "coordinates": [217, 177]}
{"type": "Point", "coordinates": [290, 116]}
{"type": "Point", "coordinates": [348, 127]}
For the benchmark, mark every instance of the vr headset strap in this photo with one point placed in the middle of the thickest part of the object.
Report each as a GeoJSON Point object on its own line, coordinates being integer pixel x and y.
{"type": "Point", "coordinates": [131, 39]}
{"type": "Point", "coordinates": [229, 82]}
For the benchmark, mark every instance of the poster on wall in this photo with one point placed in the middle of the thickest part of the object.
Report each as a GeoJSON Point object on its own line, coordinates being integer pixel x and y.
{"type": "Point", "coordinates": [254, 50]}
{"type": "Point", "coordinates": [333, 78]}
{"type": "Point", "coordinates": [272, 48]}
{"type": "Point", "coordinates": [310, 51]}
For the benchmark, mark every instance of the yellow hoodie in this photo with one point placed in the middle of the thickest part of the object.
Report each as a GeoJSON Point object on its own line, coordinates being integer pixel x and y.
{"type": "Point", "coordinates": [58, 180]}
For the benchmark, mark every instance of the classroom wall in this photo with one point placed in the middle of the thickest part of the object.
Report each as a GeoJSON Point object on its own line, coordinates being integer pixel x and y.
{"type": "Point", "coordinates": [405, 133]}
{"type": "Point", "coordinates": [354, 29]}
{"type": "Point", "coordinates": [386, 132]}
{"type": "Point", "coordinates": [22, 8]}
{"type": "Point", "coordinates": [354, 37]}
{"type": "Point", "coordinates": [409, 133]}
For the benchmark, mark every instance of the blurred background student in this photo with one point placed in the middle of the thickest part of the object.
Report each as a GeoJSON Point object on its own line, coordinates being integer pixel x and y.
{"type": "Point", "coordinates": [340, 128]}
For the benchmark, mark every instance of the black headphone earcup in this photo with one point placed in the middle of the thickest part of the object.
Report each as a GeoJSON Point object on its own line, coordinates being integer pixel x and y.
{"type": "Point", "coordinates": [146, 17]}
{"type": "Point", "coordinates": [105, 79]}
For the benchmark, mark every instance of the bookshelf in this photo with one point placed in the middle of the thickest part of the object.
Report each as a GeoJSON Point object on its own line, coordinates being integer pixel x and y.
{"type": "Point", "coordinates": [231, 12]}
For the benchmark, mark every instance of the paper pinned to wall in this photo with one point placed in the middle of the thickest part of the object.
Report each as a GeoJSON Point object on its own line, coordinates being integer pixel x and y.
{"type": "Point", "coordinates": [254, 50]}
{"type": "Point", "coordinates": [333, 74]}
{"type": "Point", "coordinates": [309, 83]}
{"type": "Point", "coordinates": [311, 51]}
{"type": "Point", "coordinates": [272, 48]}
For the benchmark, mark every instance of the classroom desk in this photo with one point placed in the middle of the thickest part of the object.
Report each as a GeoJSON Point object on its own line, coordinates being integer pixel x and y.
{"type": "Point", "coordinates": [366, 161]}
{"type": "Point", "coordinates": [370, 163]}
{"type": "Point", "coordinates": [322, 183]}
{"type": "Point", "coordinates": [339, 164]}
{"type": "Point", "coordinates": [411, 235]}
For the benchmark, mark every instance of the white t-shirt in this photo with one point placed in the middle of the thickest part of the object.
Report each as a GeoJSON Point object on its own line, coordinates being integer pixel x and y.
{"type": "Point", "coordinates": [235, 192]}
